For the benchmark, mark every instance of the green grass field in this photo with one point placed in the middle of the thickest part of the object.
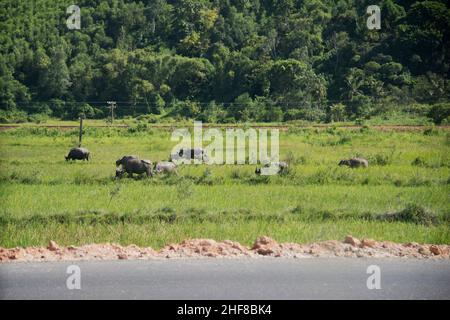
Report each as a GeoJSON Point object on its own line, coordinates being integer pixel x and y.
{"type": "Point", "coordinates": [44, 197]}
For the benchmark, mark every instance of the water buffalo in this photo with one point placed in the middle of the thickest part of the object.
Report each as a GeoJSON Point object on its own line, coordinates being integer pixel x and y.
{"type": "Point", "coordinates": [119, 172]}
{"type": "Point", "coordinates": [124, 159]}
{"type": "Point", "coordinates": [131, 164]}
{"type": "Point", "coordinates": [190, 154]}
{"type": "Point", "coordinates": [355, 163]}
{"type": "Point", "coordinates": [280, 167]}
{"type": "Point", "coordinates": [78, 154]}
{"type": "Point", "coordinates": [165, 166]}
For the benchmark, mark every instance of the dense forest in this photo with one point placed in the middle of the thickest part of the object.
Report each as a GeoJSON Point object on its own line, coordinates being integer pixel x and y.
{"type": "Point", "coordinates": [224, 60]}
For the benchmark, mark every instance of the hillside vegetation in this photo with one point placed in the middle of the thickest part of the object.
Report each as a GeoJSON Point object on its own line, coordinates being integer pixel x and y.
{"type": "Point", "coordinates": [225, 61]}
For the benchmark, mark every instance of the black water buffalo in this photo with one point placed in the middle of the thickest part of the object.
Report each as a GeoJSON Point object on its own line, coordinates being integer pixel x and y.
{"type": "Point", "coordinates": [355, 163]}
{"type": "Point", "coordinates": [132, 164]}
{"type": "Point", "coordinates": [78, 154]}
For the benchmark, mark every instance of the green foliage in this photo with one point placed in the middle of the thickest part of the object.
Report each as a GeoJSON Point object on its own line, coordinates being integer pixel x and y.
{"type": "Point", "coordinates": [337, 112]}
{"type": "Point", "coordinates": [419, 161]}
{"type": "Point", "coordinates": [412, 213]}
{"type": "Point", "coordinates": [224, 61]}
{"type": "Point", "coordinates": [13, 116]}
{"type": "Point", "coordinates": [440, 113]}
{"type": "Point", "coordinates": [381, 159]}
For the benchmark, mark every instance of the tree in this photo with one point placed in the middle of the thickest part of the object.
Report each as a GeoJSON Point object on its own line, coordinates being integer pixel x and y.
{"type": "Point", "coordinates": [424, 33]}
{"type": "Point", "coordinates": [12, 92]}
{"type": "Point", "coordinates": [56, 77]}
{"type": "Point", "coordinates": [191, 78]}
{"type": "Point", "coordinates": [294, 83]}
{"type": "Point", "coordinates": [81, 73]}
{"type": "Point", "coordinates": [243, 108]}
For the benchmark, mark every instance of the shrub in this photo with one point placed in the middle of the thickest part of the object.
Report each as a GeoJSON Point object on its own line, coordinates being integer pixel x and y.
{"type": "Point", "coordinates": [254, 180]}
{"type": "Point", "coordinates": [419, 161]}
{"type": "Point", "coordinates": [273, 114]}
{"type": "Point", "coordinates": [381, 159]}
{"type": "Point", "coordinates": [82, 178]}
{"type": "Point", "coordinates": [206, 177]}
{"type": "Point", "coordinates": [26, 178]}
{"type": "Point", "coordinates": [13, 116]}
{"type": "Point", "coordinates": [344, 140]}
{"type": "Point", "coordinates": [359, 121]}
{"type": "Point", "coordinates": [235, 174]}
{"type": "Point", "coordinates": [439, 112]}
{"type": "Point", "coordinates": [306, 114]}
{"type": "Point", "coordinates": [322, 176]}
{"type": "Point", "coordinates": [291, 158]}
{"type": "Point", "coordinates": [298, 210]}
{"type": "Point", "coordinates": [413, 214]}
{"type": "Point", "coordinates": [430, 132]}
{"type": "Point", "coordinates": [149, 118]}
{"type": "Point", "coordinates": [337, 112]}
{"type": "Point", "coordinates": [185, 189]}
{"type": "Point", "coordinates": [140, 127]}
{"type": "Point", "coordinates": [418, 109]}
{"type": "Point", "coordinates": [38, 118]}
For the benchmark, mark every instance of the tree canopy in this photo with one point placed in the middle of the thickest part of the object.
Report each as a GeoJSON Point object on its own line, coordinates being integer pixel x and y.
{"type": "Point", "coordinates": [223, 60]}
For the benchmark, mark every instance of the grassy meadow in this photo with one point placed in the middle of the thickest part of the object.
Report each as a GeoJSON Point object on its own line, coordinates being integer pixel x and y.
{"type": "Point", "coordinates": [403, 195]}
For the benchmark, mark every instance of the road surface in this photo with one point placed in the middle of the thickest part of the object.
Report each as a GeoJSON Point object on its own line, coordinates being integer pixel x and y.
{"type": "Point", "coordinates": [262, 278]}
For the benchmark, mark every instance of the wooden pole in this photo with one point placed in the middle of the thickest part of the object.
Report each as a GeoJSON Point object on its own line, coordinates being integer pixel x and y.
{"type": "Point", "coordinates": [80, 137]}
{"type": "Point", "coordinates": [112, 106]}
{"type": "Point", "coordinates": [112, 112]}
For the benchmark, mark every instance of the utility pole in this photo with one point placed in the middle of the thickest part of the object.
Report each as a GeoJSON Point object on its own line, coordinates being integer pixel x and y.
{"type": "Point", "coordinates": [80, 137]}
{"type": "Point", "coordinates": [112, 106]}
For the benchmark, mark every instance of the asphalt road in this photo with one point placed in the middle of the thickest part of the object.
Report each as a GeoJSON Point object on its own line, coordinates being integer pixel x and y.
{"type": "Point", "coordinates": [264, 278]}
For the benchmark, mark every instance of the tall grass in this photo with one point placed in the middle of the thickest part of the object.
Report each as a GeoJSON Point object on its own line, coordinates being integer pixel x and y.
{"type": "Point", "coordinates": [44, 197]}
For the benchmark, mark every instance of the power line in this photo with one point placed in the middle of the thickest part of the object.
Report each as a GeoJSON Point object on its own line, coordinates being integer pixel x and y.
{"type": "Point", "coordinates": [138, 103]}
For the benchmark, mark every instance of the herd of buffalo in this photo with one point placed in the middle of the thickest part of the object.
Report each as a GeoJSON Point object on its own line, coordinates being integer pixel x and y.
{"type": "Point", "coordinates": [133, 165]}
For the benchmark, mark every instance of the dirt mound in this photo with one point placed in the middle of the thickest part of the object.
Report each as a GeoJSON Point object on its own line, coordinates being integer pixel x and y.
{"type": "Point", "coordinates": [204, 248]}
{"type": "Point", "coordinates": [87, 252]}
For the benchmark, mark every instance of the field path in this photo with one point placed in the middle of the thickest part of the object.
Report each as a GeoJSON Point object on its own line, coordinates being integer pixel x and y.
{"type": "Point", "coordinates": [4, 127]}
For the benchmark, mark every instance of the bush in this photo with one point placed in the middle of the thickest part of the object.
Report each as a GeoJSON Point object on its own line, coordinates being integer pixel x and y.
{"type": "Point", "coordinates": [418, 109]}
{"type": "Point", "coordinates": [206, 177]}
{"type": "Point", "coordinates": [439, 112]}
{"type": "Point", "coordinates": [337, 112]}
{"type": "Point", "coordinates": [38, 118]}
{"type": "Point", "coordinates": [430, 132]}
{"type": "Point", "coordinates": [306, 114]}
{"type": "Point", "coordinates": [140, 127]}
{"type": "Point", "coordinates": [381, 159]}
{"type": "Point", "coordinates": [291, 158]}
{"type": "Point", "coordinates": [185, 189]}
{"type": "Point", "coordinates": [419, 161]}
{"type": "Point", "coordinates": [412, 213]}
{"type": "Point", "coordinates": [273, 114]}
{"type": "Point", "coordinates": [13, 116]}
{"type": "Point", "coordinates": [189, 109]}
{"type": "Point", "coordinates": [77, 110]}
{"type": "Point", "coordinates": [235, 174]}
{"type": "Point", "coordinates": [292, 114]}
{"type": "Point", "coordinates": [149, 118]}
